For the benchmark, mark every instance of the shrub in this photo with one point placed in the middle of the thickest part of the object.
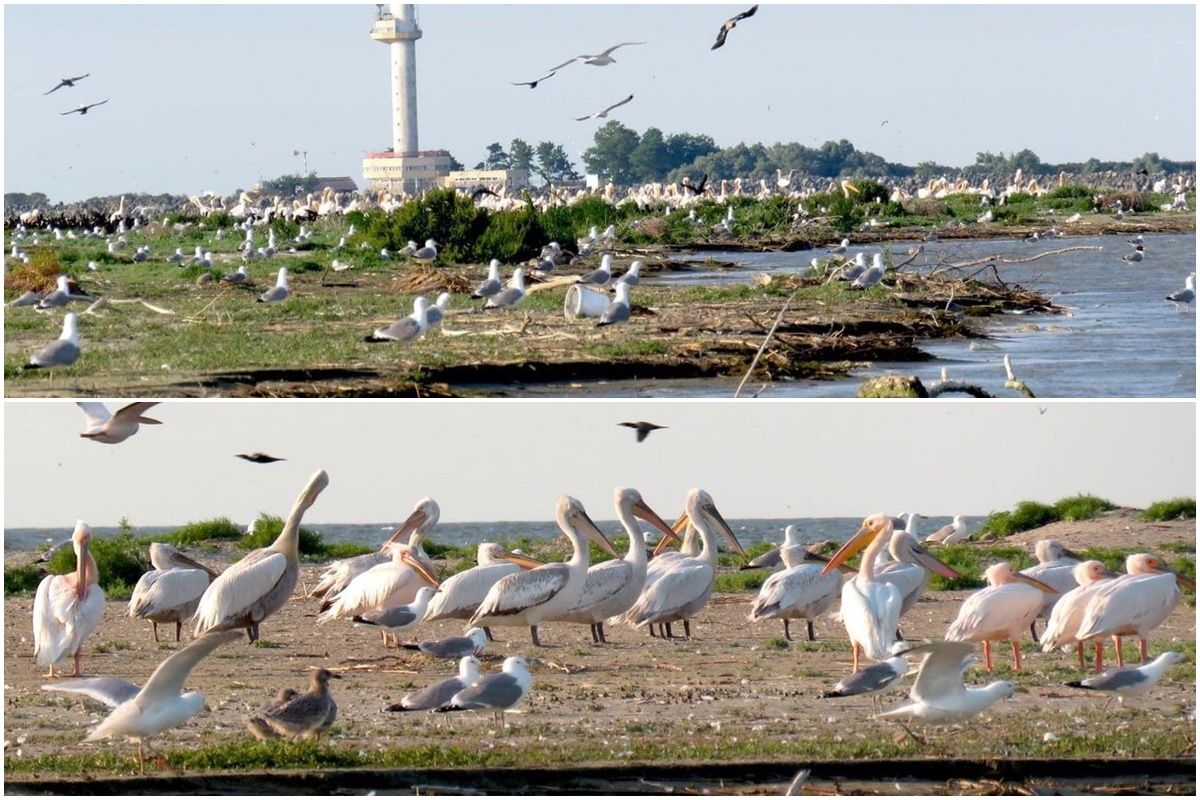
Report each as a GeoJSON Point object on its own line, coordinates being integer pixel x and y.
{"type": "Point", "coordinates": [969, 561]}
{"type": "Point", "coordinates": [1175, 508]}
{"type": "Point", "coordinates": [22, 581]}
{"type": "Point", "coordinates": [1026, 516]}
{"type": "Point", "coordinates": [267, 529]}
{"type": "Point", "coordinates": [121, 561]}
{"type": "Point", "coordinates": [194, 533]}
{"type": "Point", "coordinates": [1081, 506]}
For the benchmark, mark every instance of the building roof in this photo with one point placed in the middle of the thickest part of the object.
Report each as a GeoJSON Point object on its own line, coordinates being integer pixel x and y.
{"type": "Point", "coordinates": [340, 184]}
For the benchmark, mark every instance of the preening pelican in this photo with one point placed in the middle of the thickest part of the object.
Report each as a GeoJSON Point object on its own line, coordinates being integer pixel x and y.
{"type": "Point", "coordinates": [939, 696]}
{"type": "Point", "coordinates": [1129, 681]}
{"type": "Point", "coordinates": [498, 691]}
{"type": "Point", "coordinates": [261, 583]}
{"type": "Point", "coordinates": [527, 598]}
{"type": "Point", "coordinates": [159, 705]}
{"type": "Point", "coordinates": [687, 584]}
{"type": "Point", "coordinates": [439, 694]}
{"type": "Point", "coordinates": [1003, 610]}
{"type": "Point", "coordinates": [1134, 604]}
{"type": "Point", "coordinates": [171, 591]}
{"type": "Point", "coordinates": [801, 591]}
{"type": "Point", "coordinates": [1063, 626]}
{"type": "Point", "coordinates": [338, 575]}
{"type": "Point", "coordinates": [1055, 568]}
{"type": "Point", "coordinates": [461, 594]}
{"type": "Point", "coordinates": [871, 606]}
{"type": "Point", "coordinates": [612, 587]}
{"type": "Point", "coordinates": [67, 608]}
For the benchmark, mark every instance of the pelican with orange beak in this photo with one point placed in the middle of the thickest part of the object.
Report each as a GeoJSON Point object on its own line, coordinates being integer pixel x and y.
{"type": "Point", "coordinates": [67, 608]}
{"type": "Point", "coordinates": [1003, 610]}
{"type": "Point", "coordinates": [870, 606]}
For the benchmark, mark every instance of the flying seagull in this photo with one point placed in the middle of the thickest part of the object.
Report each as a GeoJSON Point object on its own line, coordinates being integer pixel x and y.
{"type": "Point", "coordinates": [83, 109]}
{"type": "Point", "coordinates": [604, 113]}
{"type": "Point", "coordinates": [67, 82]}
{"type": "Point", "coordinates": [259, 458]}
{"type": "Point", "coordinates": [643, 428]}
{"type": "Point", "coordinates": [601, 59]}
{"type": "Point", "coordinates": [109, 428]}
{"type": "Point", "coordinates": [730, 24]}
{"type": "Point", "coordinates": [534, 84]}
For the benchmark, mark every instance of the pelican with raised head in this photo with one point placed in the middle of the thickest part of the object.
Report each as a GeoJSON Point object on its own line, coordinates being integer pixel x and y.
{"type": "Point", "coordinates": [67, 608]}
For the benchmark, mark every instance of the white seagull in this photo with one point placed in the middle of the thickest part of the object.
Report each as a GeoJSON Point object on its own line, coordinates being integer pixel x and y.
{"type": "Point", "coordinates": [875, 678]}
{"type": "Point", "coordinates": [63, 351]}
{"type": "Point", "coordinates": [497, 692]}
{"type": "Point", "coordinates": [114, 428]}
{"type": "Point", "coordinates": [618, 309]}
{"type": "Point", "coordinates": [512, 294]}
{"type": "Point", "coordinates": [405, 329]}
{"type": "Point", "coordinates": [1185, 295]}
{"type": "Point", "coordinates": [428, 253]}
{"type": "Point", "coordinates": [939, 696]}
{"type": "Point", "coordinates": [601, 59]}
{"type": "Point", "coordinates": [492, 284]}
{"type": "Point", "coordinates": [603, 113]}
{"type": "Point", "coordinates": [1129, 681]}
{"type": "Point", "coordinates": [438, 694]}
{"type": "Point", "coordinates": [279, 291]}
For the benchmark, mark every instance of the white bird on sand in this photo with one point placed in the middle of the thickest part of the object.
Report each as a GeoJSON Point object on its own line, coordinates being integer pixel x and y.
{"type": "Point", "coordinates": [67, 608]}
{"type": "Point", "coordinates": [874, 678]}
{"type": "Point", "coordinates": [601, 59]}
{"type": "Point", "coordinates": [800, 591]}
{"type": "Point", "coordinates": [497, 692]}
{"type": "Point", "coordinates": [492, 284]}
{"type": "Point", "coordinates": [613, 586]}
{"type": "Point", "coordinates": [1063, 626]}
{"type": "Point", "coordinates": [261, 583]}
{"type": "Point", "coordinates": [279, 291]}
{"type": "Point", "coordinates": [1003, 610]}
{"type": "Point", "coordinates": [1135, 603]}
{"type": "Point", "coordinates": [159, 705]}
{"type": "Point", "coordinates": [428, 253]}
{"type": "Point", "coordinates": [1123, 682]}
{"type": "Point", "coordinates": [1185, 295]}
{"type": "Point", "coordinates": [438, 694]}
{"type": "Point", "coordinates": [688, 583]}
{"type": "Point", "coordinates": [108, 428]}
{"type": "Point", "coordinates": [599, 276]}
{"type": "Point", "coordinates": [1055, 568]}
{"type": "Point", "coordinates": [633, 275]}
{"type": "Point", "coordinates": [461, 594]}
{"type": "Point", "coordinates": [63, 351]}
{"type": "Point", "coordinates": [469, 644]}
{"type": "Point", "coordinates": [527, 598]}
{"type": "Point", "coordinates": [303, 715]}
{"type": "Point", "coordinates": [953, 533]}
{"type": "Point", "coordinates": [618, 309]}
{"type": "Point", "coordinates": [405, 329]}
{"type": "Point", "coordinates": [939, 696]}
{"type": "Point", "coordinates": [398, 619]}
{"type": "Point", "coordinates": [171, 591]}
{"type": "Point", "coordinates": [512, 294]}
{"type": "Point", "coordinates": [603, 113]}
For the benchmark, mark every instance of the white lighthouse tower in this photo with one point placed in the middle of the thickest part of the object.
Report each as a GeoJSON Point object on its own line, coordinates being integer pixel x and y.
{"type": "Point", "coordinates": [403, 167]}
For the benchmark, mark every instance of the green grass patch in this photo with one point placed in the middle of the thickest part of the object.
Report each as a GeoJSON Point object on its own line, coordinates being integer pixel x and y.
{"type": "Point", "coordinates": [969, 561]}
{"type": "Point", "coordinates": [1176, 508]}
{"type": "Point", "coordinates": [1026, 516]}
{"type": "Point", "coordinates": [22, 581]}
{"type": "Point", "coordinates": [748, 581]}
{"type": "Point", "coordinates": [199, 533]}
{"type": "Point", "coordinates": [1081, 506]}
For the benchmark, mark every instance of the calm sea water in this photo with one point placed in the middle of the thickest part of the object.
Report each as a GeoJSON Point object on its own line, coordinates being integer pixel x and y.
{"type": "Point", "coordinates": [748, 531]}
{"type": "Point", "coordinates": [1122, 339]}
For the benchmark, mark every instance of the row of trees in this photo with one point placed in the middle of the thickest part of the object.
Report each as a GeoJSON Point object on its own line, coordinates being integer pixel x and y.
{"type": "Point", "coordinates": [548, 160]}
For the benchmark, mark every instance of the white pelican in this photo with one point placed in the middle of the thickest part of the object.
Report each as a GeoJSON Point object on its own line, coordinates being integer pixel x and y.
{"type": "Point", "coordinates": [527, 598]}
{"type": "Point", "coordinates": [159, 705]}
{"type": "Point", "coordinates": [911, 570]}
{"type": "Point", "coordinates": [395, 582]}
{"type": "Point", "coordinates": [870, 606]}
{"type": "Point", "coordinates": [462, 593]}
{"type": "Point", "coordinates": [1056, 568]}
{"type": "Point", "coordinates": [171, 591]}
{"type": "Point", "coordinates": [1129, 681]}
{"type": "Point", "coordinates": [470, 643]}
{"type": "Point", "coordinates": [1135, 603]}
{"type": "Point", "coordinates": [261, 583]}
{"type": "Point", "coordinates": [338, 575]}
{"type": "Point", "coordinates": [801, 591]}
{"type": "Point", "coordinates": [398, 619]}
{"type": "Point", "coordinates": [1063, 625]}
{"type": "Point", "coordinates": [498, 691]}
{"type": "Point", "coordinates": [491, 284]}
{"type": "Point", "coordinates": [1002, 610]}
{"type": "Point", "coordinates": [439, 694]}
{"type": "Point", "coordinates": [953, 533]}
{"type": "Point", "coordinates": [939, 696]}
{"type": "Point", "coordinates": [67, 608]}
{"type": "Point", "coordinates": [612, 587]}
{"type": "Point", "coordinates": [773, 558]}
{"type": "Point", "coordinates": [114, 428]}
{"type": "Point", "coordinates": [279, 291]}
{"type": "Point", "coordinates": [875, 678]}
{"type": "Point", "coordinates": [304, 715]}
{"type": "Point", "coordinates": [688, 582]}
{"type": "Point", "coordinates": [63, 351]}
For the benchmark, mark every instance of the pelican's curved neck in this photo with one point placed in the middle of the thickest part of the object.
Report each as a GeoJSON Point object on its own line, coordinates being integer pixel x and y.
{"type": "Point", "coordinates": [637, 545]}
{"type": "Point", "coordinates": [866, 571]}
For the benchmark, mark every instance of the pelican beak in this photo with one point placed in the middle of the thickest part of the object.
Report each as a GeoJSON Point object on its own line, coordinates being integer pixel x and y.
{"type": "Point", "coordinates": [934, 564]}
{"type": "Point", "coordinates": [679, 526]}
{"type": "Point", "coordinates": [420, 568]}
{"type": "Point", "coordinates": [1072, 554]}
{"type": "Point", "coordinates": [520, 559]}
{"type": "Point", "coordinates": [1035, 583]}
{"type": "Point", "coordinates": [1181, 578]}
{"type": "Point", "coordinates": [646, 513]}
{"type": "Point", "coordinates": [714, 515]}
{"type": "Point", "coordinates": [595, 534]}
{"type": "Point", "coordinates": [861, 538]}
{"type": "Point", "coordinates": [415, 520]}
{"type": "Point", "coordinates": [812, 555]}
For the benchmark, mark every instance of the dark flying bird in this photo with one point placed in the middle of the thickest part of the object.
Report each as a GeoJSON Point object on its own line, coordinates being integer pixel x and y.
{"type": "Point", "coordinates": [83, 109]}
{"type": "Point", "coordinates": [604, 113]}
{"type": "Point", "coordinates": [259, 458]}
{"type": "Point", "coordinates": [533, 84]}
{"type": "Point", "coordinates": [643, 428]}
{"type": "Point", "coordinates": [731, 23]}
{"type": "Point", "coordinates": [698, 188]}
{"type": "Point", "coordinates": [480, 192]}
{"type": "Point", "coordinates": [67, 82]}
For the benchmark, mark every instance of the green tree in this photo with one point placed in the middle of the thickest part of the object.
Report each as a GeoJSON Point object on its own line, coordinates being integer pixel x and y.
{"type": "Point", "coordinates": [521, 154]}
{"type": "Point", "coordinates": [650, 160]}
{"type": "Point", "coordinates": [291, 184]}
{"type": "Point", "coordinates": [496, 158]}
{"type": "Point", "coordinates": [553, 163]}
{"type": "Point", "coordinates": [684, 148]}
{"type": "Point", "coordinates": [611, 151]}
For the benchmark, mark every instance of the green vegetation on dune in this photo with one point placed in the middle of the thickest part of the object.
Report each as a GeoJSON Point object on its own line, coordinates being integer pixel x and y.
{"type": "Point", "coordinates": [1176, 508]}
{"type": "Point", "coordinates": [1029, 514]}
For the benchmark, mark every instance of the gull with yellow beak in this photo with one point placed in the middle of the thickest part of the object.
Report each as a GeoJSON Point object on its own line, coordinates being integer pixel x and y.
{"type": "Point", "coordinates": [1003, 610]}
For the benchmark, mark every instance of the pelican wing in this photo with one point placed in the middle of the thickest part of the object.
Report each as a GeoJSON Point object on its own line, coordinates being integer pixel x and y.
{"type": "Point", "coordinates": [671, 592]}
{"type": "Point", "coordinates": [374, 589]}
{"type": "Point", "coordinates": [793, 589]}
{"type": "Point", "coordinates": [167, 680]}
{"type": "Point", "coordinates": [1004, 608]}
{"type": "Point", "coordinates": [109, 691]}
{"type": "Point", "coordinates": [161, 591]}
{"type": "Point", "coordinates": [461, 594]}
{"type": "Point", "coordinates": [1130, 604]}
{"type": "Point", "coordinates": [515, 593]}
{"type": "Point", "coordinates": [603, 582]}
{"type": "Point", "coordinates": [871, 613]}
{"type": "Point", "coordinates": [939, 680]}
{"type": "Point", "coordinates": [239, 588]}
{"type": "Point", "coordinates": [498, 690]}
{"type": "Point", "coordinates": [338, 575]}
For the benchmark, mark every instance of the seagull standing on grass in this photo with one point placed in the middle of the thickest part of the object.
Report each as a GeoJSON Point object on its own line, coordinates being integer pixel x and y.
{"type": "Point", "coordinates": [510, 295]}
{"type": "Point", "coordinates": [1128, 681]}
{"type": "Point", "coordinates": [493, 283]}
{"type": "Point", "coordinates": [406, 329]}
{"type": "Point", "coordinates": [279, 291]}
{"type": "Point", "coordinates": [63, 351]}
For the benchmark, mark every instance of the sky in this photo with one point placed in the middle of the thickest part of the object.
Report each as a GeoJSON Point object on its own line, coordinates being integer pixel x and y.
{"type": "Point", "coordinates": [219, 97]}
{"type": "Point", "coordinates": [511, 459]}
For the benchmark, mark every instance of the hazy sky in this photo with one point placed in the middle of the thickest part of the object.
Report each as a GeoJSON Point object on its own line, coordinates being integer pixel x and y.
{"type": "Point", "coordinates": [511, 459]}
{"type": "Point", "coordinates": [217, 97]}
